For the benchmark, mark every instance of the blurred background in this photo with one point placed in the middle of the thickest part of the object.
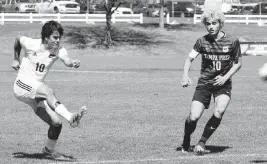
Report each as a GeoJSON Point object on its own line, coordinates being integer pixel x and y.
{"type": "Point", "coordinates": [149, 8]}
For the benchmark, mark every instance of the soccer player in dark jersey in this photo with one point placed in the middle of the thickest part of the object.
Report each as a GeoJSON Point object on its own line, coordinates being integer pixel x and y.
{"type": "Point", "coordinates": [221, 59]}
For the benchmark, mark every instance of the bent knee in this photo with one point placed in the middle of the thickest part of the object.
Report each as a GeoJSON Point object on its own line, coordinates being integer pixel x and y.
{"type": "Point", "coordinates": [56, 122]}
{"type": "Point", "coordinates": [49, 92]}
{"type": "Point", "coordinates": [219, 112]}
{"type": "Point", "coordinates": [51, 119]}
{"type": "Point", "coordinates": [194, 116]}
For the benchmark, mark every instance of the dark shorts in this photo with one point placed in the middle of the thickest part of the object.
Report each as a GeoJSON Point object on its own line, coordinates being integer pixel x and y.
{"type": "Point", "coordinates": [203, 92]}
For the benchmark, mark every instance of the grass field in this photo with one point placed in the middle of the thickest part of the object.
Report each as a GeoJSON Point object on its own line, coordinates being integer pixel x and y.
{"type": "Point", "coordinates": [136, 105]}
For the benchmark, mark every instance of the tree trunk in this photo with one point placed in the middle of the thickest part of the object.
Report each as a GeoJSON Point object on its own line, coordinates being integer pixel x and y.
{"type": "Point", "coordinates": [108, 6]}
{"type": "Point", "coordinates": [88, 6]}
{"type": "Point", "coordinates": [131, 5]}
{"type": "Point", "coordinates": [108, 39]}
{"type": "Point", "coordinates": [161, 20]}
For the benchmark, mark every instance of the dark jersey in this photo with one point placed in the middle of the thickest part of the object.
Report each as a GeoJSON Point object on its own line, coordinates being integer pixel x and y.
{"type": "Point", "coordinates": [218, 56]}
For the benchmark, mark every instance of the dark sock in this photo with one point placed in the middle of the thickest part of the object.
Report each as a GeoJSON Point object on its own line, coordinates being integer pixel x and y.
{"type": "Point", "coordinates": [54, 131]}
{"type": "Point", "coordinates": [189, 128]}
{"type": "Point", "coordinates": [209, 129]}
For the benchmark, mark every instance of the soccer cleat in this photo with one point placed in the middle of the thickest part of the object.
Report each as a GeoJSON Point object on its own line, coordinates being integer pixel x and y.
{"type": "Point", "coordinates": [53, 154]}
{"type": "Point", "coordinates": [199, 149]}
{"type": "Point", "coordinates": [183, 150]}
{"type": "Point", "coordinates": [76, 117]}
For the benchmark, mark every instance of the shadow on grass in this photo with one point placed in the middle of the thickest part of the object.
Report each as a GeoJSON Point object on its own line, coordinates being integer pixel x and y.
{"type": "Point", "coordinates": [211, 149]}
{"type": "Point", "coordinates": [41, 156]}
{"type": "Point", "coordinates": [258, 161]}
{"type": "Point", "coordinates": [94, 37]}
{"type": "Point", "coordinates": [217, 149]}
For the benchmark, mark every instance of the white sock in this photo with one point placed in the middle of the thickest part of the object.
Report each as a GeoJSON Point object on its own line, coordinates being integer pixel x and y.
{"type": "Point", "coordinates": [62, 111]}
{"type": "Point", "coordinates": [51, 144]}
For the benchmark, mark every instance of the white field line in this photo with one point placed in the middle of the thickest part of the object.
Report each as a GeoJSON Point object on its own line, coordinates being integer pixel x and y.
{"type": "Point", "coordinates": [193, 157]}
{"type": "Point", "coordinates": [87, 71]}
{"type": "Point", "coordinates": [122, 72]}
{"type": "Point", "coordinates": [165, 78]}
{"type": "Point", "coordinates": [121, 79]}
{"type": "Point", "coordinates": [115, 73]}
{"type": "Point", "coordinates": [84, 71]}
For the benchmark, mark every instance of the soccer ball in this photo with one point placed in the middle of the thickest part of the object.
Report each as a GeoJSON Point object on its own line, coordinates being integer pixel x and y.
{"type": "Point", "coordinates": [263, 72]}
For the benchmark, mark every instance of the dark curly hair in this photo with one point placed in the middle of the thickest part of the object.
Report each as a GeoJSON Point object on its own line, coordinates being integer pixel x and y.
{"type": "Point", "coordinates": [49, 27]}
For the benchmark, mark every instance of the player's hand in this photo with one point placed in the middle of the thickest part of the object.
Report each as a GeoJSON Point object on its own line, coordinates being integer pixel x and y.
{"type": "Point", "coordinates": [76, 63]}
{"type": "Point", "coordinates": [186, 81]}
{"type": "Point", "coordinates": [220, 80]}
{"type": "Point", "coordinates": [15, 64]}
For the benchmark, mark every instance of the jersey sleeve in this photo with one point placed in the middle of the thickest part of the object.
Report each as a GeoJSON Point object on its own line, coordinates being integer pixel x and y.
{"type": "Point", "coordinates": [193, 53]}
{"type": "Point", "coordinates": [197, 46]}
{"type": "Point", "coordinates": [236, 50]}
{"type": "Point", "coordinates": [62, 53]}
{"type": "Point", "coordinates": [196, 49]}
{"type": "Point", "coordinates": [24, 41]}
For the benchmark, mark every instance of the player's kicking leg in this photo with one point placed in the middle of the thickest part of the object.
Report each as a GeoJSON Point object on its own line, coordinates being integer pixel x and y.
{"type": "Point", "coordinates": [76, 117]}
{"type": "Point", "coordinates": [221, 103]}
{"type": "Point", "coordinates": [197, 109]}
{"type": "Point", "coordinates": [46, 93]}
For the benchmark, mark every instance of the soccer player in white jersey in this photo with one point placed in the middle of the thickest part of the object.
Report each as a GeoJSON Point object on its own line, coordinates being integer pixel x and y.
{"type": "Point", "coordinates": [40, 54]}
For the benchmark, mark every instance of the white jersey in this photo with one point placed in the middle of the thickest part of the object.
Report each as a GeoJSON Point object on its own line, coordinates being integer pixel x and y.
{"type": "Point", "coordinates": [37, 61]}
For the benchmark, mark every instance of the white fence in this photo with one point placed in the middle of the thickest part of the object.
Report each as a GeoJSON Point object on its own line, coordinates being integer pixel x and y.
{"type": "Point", "coordinates": [86, 18]}
{"type": "Point", "coordinates": [254, 48]}
{"type": "Point", "coordinates": [239, 19]}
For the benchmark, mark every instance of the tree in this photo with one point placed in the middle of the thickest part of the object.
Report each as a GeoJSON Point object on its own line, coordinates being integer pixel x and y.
{"type": "Point", "coordinates": [109, 5]}
{"type": "Point", "coordinates": [88, 6]}
{"type": "Point", "coordinates": [161, 20]}
{"type": "Point", "coordinates": [112, 5]}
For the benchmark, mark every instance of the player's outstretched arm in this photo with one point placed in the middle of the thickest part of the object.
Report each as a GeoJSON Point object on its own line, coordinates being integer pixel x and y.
{"type": "Point", "coordinates": [186, 81]}
{"type": "Point", "coordinates": [72, 62]}
{"type": "Point", "coordinates": [17, 49]}
{"type": "Point", "coordinates": [69, 62]}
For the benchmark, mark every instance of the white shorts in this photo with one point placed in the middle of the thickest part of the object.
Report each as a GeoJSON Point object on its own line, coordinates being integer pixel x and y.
{"type": "Point", "coordinates": [25, 90]}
